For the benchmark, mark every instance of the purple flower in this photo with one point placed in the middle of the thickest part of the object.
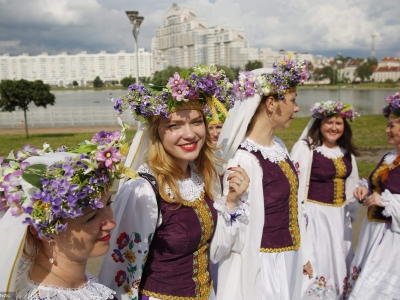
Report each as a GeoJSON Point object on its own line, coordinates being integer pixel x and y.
{"type": "Point", "coordinates": [109, 156]}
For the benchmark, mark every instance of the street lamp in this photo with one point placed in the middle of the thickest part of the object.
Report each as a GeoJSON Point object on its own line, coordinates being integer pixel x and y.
{"type": "Point", "coordinates": [135, 23]}
{"type": "Point", "coordinates": [339, 62]}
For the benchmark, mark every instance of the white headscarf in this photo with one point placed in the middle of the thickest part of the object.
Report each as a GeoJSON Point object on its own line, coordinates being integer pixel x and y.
{"type": "Point", "coordinates": [235, 127]}
{"type": "Point", "coordinates": [13, 231]}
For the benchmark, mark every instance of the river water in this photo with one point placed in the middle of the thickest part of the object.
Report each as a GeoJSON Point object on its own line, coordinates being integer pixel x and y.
{"type": "Point", "coordinates": [365, 101]}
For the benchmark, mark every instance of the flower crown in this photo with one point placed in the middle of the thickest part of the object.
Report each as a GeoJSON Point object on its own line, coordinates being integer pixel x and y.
{"type": "Point", "coordinates": [393, 107]}
{"type": "Point", "coordinates": [285, 76]}
{"type": "Point", "coordinates": [74, 180]}
{"type": "Point", "coordinates": [327, 109]}
{"type": "Point", "coordinates": [187, 90]}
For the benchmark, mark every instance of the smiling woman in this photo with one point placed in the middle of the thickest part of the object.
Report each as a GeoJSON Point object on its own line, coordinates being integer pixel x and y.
{"type": "Point", "coordinates": [328, 174]}
{"type": "Point", "coordinates": [174, 220]}
{"type": "Point", "coordinates": [56, 214]}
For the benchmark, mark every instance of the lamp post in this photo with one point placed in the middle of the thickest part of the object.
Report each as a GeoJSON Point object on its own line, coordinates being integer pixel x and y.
{"type": "Point", "coordinates": [339, 62]}
{"type": "Point", "coordinates": [135, 24]}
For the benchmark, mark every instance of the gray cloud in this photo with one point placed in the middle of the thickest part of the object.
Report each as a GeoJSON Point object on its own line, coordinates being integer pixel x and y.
{"type": "Point", "coordinates": [316, 26]}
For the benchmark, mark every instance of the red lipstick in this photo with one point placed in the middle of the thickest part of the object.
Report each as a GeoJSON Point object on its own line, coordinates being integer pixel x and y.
{"type": "Point", "coordinates": [105, 238]}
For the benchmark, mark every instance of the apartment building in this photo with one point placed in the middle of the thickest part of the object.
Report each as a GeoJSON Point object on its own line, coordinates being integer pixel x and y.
{"type": "Point", "coordinates": [185, 41]}
{"type": "Point", "coordinates": [63, 69]}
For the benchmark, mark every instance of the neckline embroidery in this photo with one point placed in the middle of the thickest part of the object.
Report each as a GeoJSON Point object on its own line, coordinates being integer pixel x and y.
{"type": "Point", "coordinates": [331, 153]}
{"type": "Point", "coordinates": [26, 287]}
{"type": "Point", "coordinates": [189, 188]}
{"type": "Point", "coordinates": [390, 157]}
{"type": "Point", "coordinates": [274, 154]}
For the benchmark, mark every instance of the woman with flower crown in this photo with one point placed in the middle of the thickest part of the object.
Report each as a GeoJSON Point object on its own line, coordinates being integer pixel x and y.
{"type": "Point", "coordinates": [270, 265]}
{"type": "Point", "coordinates": [163, 251]}
{"type": "Point", "coordinates": [375, 269]}
{"type": "Point", "coordinates": [328, 174]}
{"type": "Point", "coordinates": [56, 214]}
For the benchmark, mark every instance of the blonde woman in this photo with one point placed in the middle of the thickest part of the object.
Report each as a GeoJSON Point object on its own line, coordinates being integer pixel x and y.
{"type": "Point", "coordinates": [162, 251]}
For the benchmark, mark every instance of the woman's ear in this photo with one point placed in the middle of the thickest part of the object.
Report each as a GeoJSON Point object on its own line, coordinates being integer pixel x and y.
{"type": "Point", "coordinates": [34, 232]}
{"type": "Point", "coordinates": [270, 104]}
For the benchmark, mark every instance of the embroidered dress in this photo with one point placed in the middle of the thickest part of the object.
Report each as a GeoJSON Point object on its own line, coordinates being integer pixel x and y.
{"type": "Point", "coordinates": [271, 259]}
{"type": "Point", "coordinates": [166, 258]}
{"type": "Point", "coordinates": [333, 178]}
{"type": "Point", "coordinates": [375, 269]}
{"type": "Point", "coordinates": [30, 290]}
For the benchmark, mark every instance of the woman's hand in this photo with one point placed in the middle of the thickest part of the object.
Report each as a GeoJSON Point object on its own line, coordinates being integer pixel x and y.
{"type": "Point", "coordinates": [374, 199]}
{"type": "Point", "coordinates": [361, 193]}
{"type": "Point", "coordinates": [308, 270]}
{"type": "Point", "coordinates": [238, 184]}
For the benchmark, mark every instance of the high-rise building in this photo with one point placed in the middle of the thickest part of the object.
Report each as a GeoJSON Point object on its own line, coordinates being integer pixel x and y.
{"type": "Point", "coordinates": [63, 69]}
{"type": "Point", "coordinates": [185, 41]}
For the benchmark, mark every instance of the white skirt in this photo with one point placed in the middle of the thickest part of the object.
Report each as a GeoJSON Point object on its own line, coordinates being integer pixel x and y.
{"type": "Point", "coordinates": [331, 251]}
{"type": "Point", "coordinates": [375, 269]}
{"type": "Point", "coordinates": [279, 274]}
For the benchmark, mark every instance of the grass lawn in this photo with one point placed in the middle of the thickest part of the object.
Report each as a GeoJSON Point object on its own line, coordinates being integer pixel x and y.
{"type": "Point", "coordinates": [368, 133]}
{"type": "Point", "coordinates": [17, 141]}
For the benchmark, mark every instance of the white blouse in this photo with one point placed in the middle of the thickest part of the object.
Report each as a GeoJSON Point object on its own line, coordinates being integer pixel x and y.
{"type": "Point", "coordinates": [30, 290]}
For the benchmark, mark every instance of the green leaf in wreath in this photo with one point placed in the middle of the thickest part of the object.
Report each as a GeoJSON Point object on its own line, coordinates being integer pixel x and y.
{"type": "Point", "coordinates": [34, 173]}
{"type": "Point", "coordinates": [88, 148]}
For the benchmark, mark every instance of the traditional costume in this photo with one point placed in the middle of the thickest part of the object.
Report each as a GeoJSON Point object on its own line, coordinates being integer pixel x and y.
{"type": "Point", "coordinates": [329, 177]}
{"type": "Point", "coordinates": [270, 264]}
{"type": "Point", "coordinates": [42, 187]}
{"type": "Point", "coordinates": [375, 269]}
{"type": "Point", "coordinates": [162, 251]}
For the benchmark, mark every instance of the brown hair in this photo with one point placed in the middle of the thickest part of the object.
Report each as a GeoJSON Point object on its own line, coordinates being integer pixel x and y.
{"type": "Point", "coordinates": [33, 245]}
{"type": "Point", "coordinates": [345, 141]}
{"type": "Point", "coordinates": [257, 112]}
{"type": "Point", "coordinates": [167, 172]}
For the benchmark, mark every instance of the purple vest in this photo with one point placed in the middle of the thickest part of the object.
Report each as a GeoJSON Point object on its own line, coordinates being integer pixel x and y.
{"type": "Point", "coordinates": [177, 264]}
{"type": "Point", "coordinates": [392, 183]}
{"type": "Point", "coordinates": [280, 186]}
{"type": "Point", "coordinates": [328, 179]}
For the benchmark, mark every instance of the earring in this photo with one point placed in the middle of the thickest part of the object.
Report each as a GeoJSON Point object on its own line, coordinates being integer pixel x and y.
{"type": "Point", "coordinates": [51, 259]}
{"type": "Point", "coordinates": [269, 115]}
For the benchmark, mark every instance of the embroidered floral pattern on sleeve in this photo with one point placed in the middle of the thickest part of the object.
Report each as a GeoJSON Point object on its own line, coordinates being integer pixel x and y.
{"type": "Point", "coordinates": [126, 253]}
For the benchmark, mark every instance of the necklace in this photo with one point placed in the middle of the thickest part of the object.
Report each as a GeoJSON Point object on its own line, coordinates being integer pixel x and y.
{"type": "Point", "coordinates": [51, 272]}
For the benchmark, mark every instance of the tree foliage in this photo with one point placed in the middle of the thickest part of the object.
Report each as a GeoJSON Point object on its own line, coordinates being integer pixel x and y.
{"type": "Point", "coordinates": [19, 94]}
{"type": "Point", "coordinates": [228, 72]}
{"type": "Point", "coordinates": [127, 81]}
{"type": "Point", "coordinates": [97, 82]}
{"type": "Point", "coordinates": [323, 73]}
{"type": "Point", "coordinates": [75, 83]}
{"type": "Point", "coordinates": [253, 64]}
{"type": "Point", "coordinates": [365, 69]}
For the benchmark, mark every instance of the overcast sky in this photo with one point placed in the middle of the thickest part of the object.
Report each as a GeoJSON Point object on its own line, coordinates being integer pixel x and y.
{"type": "Point", "coordinates": [317, 26]}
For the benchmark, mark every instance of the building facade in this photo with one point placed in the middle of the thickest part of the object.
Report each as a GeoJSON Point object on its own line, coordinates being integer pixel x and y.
{"type": "Point", "coordinates": [185, 41]}
{"type": "Point", "coordinates": [388, 68]}
{"type": "Point", "coordinates": [63, 69]}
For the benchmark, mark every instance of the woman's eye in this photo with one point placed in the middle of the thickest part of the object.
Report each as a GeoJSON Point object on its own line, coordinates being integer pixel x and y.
{"type": "Point", "coordinates": [91, 218]}
{"type": "Point", "coordinates": [109, 202]}
{"type": "Point", "coordinates": [198, 122]}
{"type": "Point", "coordinates": [173, 126]}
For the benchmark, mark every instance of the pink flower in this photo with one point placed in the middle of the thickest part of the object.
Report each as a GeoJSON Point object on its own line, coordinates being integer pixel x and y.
{"type": "Point", "coordinates": [109, 156]}
{"type": "Point", "coordinates": [179, 92]}
{"type": "Point", "coordinates": [175, 81]}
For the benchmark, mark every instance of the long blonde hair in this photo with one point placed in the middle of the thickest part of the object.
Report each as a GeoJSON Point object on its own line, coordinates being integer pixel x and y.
{"type": "Point", "coordinates": [166, 171]}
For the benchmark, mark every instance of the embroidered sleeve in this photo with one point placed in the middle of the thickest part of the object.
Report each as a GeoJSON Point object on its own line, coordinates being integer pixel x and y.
{"type": "Point", "coordinates": [238, 213]}
{"type": "Point", "coordinates": [135, 212]}
{"type": "Point", "coordinates": [362, 183]}
{"type": "Point", "coordinates": [392, 208]}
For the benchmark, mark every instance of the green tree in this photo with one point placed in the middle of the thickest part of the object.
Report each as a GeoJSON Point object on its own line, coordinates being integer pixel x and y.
{"type": "Point", "coordinates": [365, 69]}
{"type": "Point", "coordinates": [323, 73]}
{"type": "Point", "coordinates": [253, 64]}
{"type": "Point", "coordinates": [19, 94]}
{"type": "Point", "coordinates": [97, 82]}
{"type": "Point", "coordinates": [75, 83]}
{"type": "Point", "coordinates": [127, 81]}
